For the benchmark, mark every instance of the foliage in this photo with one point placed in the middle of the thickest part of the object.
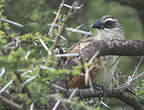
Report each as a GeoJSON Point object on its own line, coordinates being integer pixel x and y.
{"type": "Point", "coordinates": [21, 51]}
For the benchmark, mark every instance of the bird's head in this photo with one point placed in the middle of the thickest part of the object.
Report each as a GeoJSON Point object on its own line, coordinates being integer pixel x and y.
{"type": "Point", "coordinates": [109, 28]}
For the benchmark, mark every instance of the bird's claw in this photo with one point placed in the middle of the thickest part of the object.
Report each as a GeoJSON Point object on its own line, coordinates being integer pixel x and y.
{"type": "Point", "coordinates": [101, 89]}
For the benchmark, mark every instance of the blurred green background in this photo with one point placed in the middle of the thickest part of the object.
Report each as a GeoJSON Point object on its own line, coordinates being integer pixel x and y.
{"type": "Point", "coordinates": [35, 15]}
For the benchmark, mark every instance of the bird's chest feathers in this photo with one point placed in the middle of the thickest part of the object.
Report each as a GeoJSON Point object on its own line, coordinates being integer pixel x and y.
{"type": "Point", "coordinates": [106, 72]}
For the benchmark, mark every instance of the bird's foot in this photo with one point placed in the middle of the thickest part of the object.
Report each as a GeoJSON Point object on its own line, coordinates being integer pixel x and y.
{"type": "Point", "coordinates": [101, 89]}
{"type": "Point", "coordinates": [96, 87]}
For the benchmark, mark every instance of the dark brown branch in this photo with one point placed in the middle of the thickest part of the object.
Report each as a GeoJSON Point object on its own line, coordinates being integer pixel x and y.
{"type": "Point", "coordinates": [109, 47]}
{"type": "Point", "coordinates": [115, 47]}
{"type": "Point", "coordinates": [118, 93]}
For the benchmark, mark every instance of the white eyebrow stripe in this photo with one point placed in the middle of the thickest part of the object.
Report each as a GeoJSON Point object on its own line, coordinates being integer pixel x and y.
{"type": "Point", "coordinates": [110, 19]}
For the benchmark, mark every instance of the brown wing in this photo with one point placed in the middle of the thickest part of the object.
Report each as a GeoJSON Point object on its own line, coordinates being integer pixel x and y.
{"type": "Point", "coordinates": [77, 82]}
{"type": "Point", "coordinates": [78, 47]}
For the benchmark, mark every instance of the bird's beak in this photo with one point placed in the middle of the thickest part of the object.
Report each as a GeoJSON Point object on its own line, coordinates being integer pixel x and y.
{"type": "Point", "coordinates": [98, 25]}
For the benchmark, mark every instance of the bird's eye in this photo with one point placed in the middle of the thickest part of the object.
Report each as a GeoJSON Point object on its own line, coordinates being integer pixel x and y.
{"type": "Point", "coordinates": [109, 23]}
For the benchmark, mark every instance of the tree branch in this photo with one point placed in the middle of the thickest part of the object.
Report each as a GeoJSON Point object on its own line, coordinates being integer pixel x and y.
{"type": "Point", "coordinates": [108, 47]}
{"type": "Point", "coordinates": [69, 14]}
{"type": "Point", "coordinates": [10, 103]}
{"type": "Point", "coordinates": [120, 93]}
{"type": "Point", "coordinates": [56, 18]}
{"type": "Point", "coordinates": [114, 47]}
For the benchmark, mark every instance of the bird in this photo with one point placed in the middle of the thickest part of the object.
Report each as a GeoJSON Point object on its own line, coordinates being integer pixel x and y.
{"type": "Point", "coordinates": [108, 28]}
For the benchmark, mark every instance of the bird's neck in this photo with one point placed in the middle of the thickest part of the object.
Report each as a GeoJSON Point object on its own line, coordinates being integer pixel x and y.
{"type": "Point", "coordinates": [109, 35]}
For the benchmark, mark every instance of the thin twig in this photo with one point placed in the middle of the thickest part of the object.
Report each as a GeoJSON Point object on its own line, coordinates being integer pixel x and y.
{"type": "Point", "coordinates": [78, 27]}
{"type": "Point", "coordinates": [56, 105]}
{"type": "Point", "coordinates": [93, 57]}
{"type": "Point", "coordinates": [4, 88]}
{"type": "Point", "coordinates": [63, 25]}
{"type": "Point", "coordinates": [72, 94]}
{"type": "Point", "coordinates": [25, 88]}
{"type": "Point", "coordinates": [32, 106]}
{"type": "Point", "coordinates": [78, 31]}
{"type": "Point", "coordinates": [2, 72]}
{"type": "Point", "coordinates": [45, 47]}
{"type": "Point", "coordinates": [27, 55]}
{"type": "Point", "coordinates": [58, 87]}
{"type": "Point", "coordinates": [68, 55]}
{"type": "Point", "coordinates": [47, 68]}
{"type": "Point", "coordinates": [28, 80]}
{"type": "Point", "coordinates": [56, 18]}
{"type": "Point", "coordinates": [10, 103]}
{"type": "Point", "coordinates": [11, 22]}
{"type": "Point", "coordinates": [137, 67]}
{"type": "Point", "coordinates": [78, 7]}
